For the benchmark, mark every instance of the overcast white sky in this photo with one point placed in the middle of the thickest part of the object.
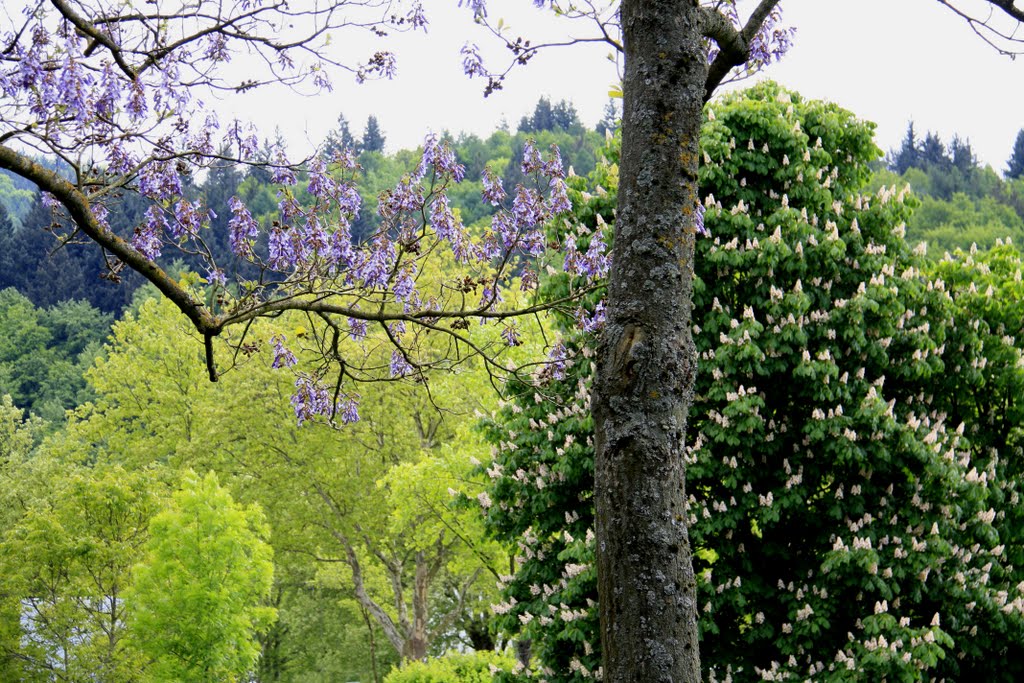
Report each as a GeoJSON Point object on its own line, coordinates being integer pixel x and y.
{"type": "Point", "coordinates": [885, 60]}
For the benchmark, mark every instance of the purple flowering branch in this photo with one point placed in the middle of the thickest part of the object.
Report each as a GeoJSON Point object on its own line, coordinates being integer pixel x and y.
{"type": "Point", "coordinates": [112, 90]}
{"type": "Point", "coordinates": [748, 46]}
{"type": "Point", "coordinates": [601, 19]}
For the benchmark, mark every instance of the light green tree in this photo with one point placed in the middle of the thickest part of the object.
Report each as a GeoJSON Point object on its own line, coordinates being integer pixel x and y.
{"type": "Point", "coordinates": [361, 511]}
{"type": "Point", "coordinates": [18, 437]}
{"type": "Point", "coordinates": [197, 601]}
{"type": "Point", "coordinates": [65, 566]}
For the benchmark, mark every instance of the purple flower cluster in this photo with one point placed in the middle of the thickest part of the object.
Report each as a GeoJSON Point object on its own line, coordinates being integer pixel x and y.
{"type": "Point", "coordinates": [321, 185]}
{"type": "Point", "coordinates": [242, 228]}
{"type": "Point", "coordinates": [699, 221]}
{"type": "Point", "coordinates": [417, 17]}
{"type": "Point", "coordinates": [494, 191]}
{"type": "Point", "coordinates": [771, 42]}
{"type": "Point", "coordinates": [101, 213]}
{"type": "Point", "coordinates": [406, 197]}
{"type": "Point", "coordinates": [472, 62]}
{"type": "Point", "coordinates": [159, 180]}
{"type": "Point", "coordinates": [445, 225]}
{"type": "Point", "coordinates": [534, 163]}
{"type": "Point", "coordinates": [281, 246]}
{"type": "Point", "coordinates": [283, 357]}
{"type": "Point", "coordinates": [310, 400]}
{"type": "Point", "coordinates": [400, 367]}
{"type": "Point", "coordinates": [375, 267]}
{"type": "Point", "coordinates": [510, 333]}
{"type": "Point", "coordinates": [593, 322]}
{"type": "Point", "coordinates": [558, 356]}
{"type": "Point", "coordinates": [217, 277]}
{"type": "Point", "coordinates": [520, 228]}
{"type": "Point", "coordinates": [348, 409]}
{"type": "Point", "coordinates": [592, 264]}
{"type": "Point", "coordinates": [479, 7]}
{"type": "Point", "coordinates": [357, 328]}
{"type": "Point", "coordinates": [282, 173]}
{"type": "Point", "coordinates": [768, 45]}
{"type": "Point", "coordinates": [148, 237]}
{"type": "Point", "coordinates": [404, 285]}
{"type": "Point", "coordinates": [441, 157]}
{"type": "Point", "coordinates": [189, 218]}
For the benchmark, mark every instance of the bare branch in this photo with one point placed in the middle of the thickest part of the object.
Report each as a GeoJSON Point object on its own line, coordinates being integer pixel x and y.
{"type": "Point", "coordinates": [1006, 41]}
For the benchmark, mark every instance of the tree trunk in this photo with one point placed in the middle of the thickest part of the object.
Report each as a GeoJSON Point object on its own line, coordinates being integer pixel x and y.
{"type": "Point", "coordinates": [647, 360]}
{"type": "Point", "coordinates": [416, 640]}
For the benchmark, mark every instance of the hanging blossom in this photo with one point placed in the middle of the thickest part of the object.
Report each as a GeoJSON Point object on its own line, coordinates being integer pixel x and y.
{"type": "Point", "coordinates": [189, 218]}
{"type": "Point", "coordinates": [699, 221]}
{"type": "Point", "coordinates": [283, 357]}
{"type": "Point", "coordinates": [595, 321]}
{"type": "Point", "coordinates": [440, 157]}
{"type": "Point", "coordinates": [310, 399]}
{"type": "Point", "coordinates": [558, 358]}
{"type": "Point", "coordinates": [400, 367]}
{"type": "Point", "coordinates": [478, 7]}
{"type": "Point", "coordinates": [404, 285]}
{"type": "Point", "coordinates": [357, 328]}
{"type": "Point", "coordinates": [243, 228]}
{"type": "Point", "coordinates": [148, 236]}
{"type": "Point", "coordinates": [472, 62]}
{"type": "Point", "coordinates": [281, 172]}
{"type": "Point", "coordinates": [510, 333]}
{"type": "Point", "coordinates": [321, 185]}
{"type": "Point", "coordinates": [348, 409]}
{"type": "Point", "coordinates": [281, 248]}
{"type": "Point", "coordinates": [159, 180]}
{"type": "Point", "coordinates": [769, 44]}
{"type": "Point", "coordinates": [592, 264]}
{"type": "Point", "coordinates": [494, 192]}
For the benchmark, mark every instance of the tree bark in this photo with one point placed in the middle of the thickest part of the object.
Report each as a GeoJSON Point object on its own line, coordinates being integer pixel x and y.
{"type": "Point", "coordinates": [416, 639]}
{"type": "Point", "coordinates": [647, 361]}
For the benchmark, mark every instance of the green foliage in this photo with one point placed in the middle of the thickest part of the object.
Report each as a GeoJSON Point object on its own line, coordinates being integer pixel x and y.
{"type": "Point", "coordinates": [822, 458]}
{"type": "Point", "coordinates": [842, 529]}
{"type": "Point", "coordinates": [66, 566]}
{"type": "Point", "coordinates": [453, 667]}
{"type": "Point", "coordinates": [44, 353]}
{"type": "Point", "coordinates": [546, 116]}
{"type": "Point", "coordinates": [1015, 164]}
{"type": "Point", "coordinates": [369, 500]}
{"type": "Point", "coordinates": [963, 203]}
{"type": "Point", "coordinates": [197, 601]}
{"type": "Point", "coordinates": [983, 389]}
{"type": "Point", "coordinates": [962, 221]}
{"type": "Point", "coordinates": [14, 201]}
{"type": "Point", "coordinates": [320, 635]}
{"type": "Point", "coordinates": [373, 137]}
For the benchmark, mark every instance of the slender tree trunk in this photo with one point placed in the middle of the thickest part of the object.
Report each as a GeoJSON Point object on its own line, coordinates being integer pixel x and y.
{"type": "Point", "coordinates": [647, 361]}
{"type": "Point", "coordinates": [373, 643]}
{"type": "Point", "coordinates": [416, 640]}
